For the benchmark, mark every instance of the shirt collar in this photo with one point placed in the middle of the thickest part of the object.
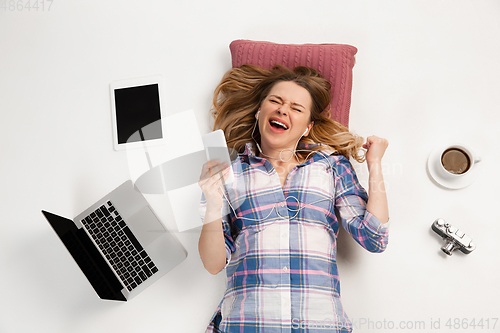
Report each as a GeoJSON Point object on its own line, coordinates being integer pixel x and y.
{"type": "Point", "coordinates": [251, 150]}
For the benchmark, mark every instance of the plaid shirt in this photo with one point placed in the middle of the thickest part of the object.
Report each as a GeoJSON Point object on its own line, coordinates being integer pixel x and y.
{"type": "Point", "coordinates": [281, 245]}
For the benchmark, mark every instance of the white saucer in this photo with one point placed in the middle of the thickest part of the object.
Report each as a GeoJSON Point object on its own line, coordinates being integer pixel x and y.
{"type": "Point", "coordinates": [456, 183]}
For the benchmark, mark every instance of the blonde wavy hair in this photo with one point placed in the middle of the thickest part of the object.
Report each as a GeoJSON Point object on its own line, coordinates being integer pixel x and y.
{"type": "Point", "coordinates": [241, 91]}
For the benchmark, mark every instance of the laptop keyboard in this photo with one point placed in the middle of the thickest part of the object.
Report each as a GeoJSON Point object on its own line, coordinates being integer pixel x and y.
{"type": "Point", "coordinates": [122, 249]}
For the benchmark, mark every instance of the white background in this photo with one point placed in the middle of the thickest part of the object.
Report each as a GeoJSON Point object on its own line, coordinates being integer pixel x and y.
{"type": "Point", "coordinates": [427, 72]}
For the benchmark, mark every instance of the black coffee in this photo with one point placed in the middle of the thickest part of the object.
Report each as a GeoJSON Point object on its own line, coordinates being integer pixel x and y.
{"type": "Point", "coordinates": [455, 160]}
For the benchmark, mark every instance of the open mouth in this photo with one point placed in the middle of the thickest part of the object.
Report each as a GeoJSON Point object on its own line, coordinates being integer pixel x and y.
{"type": "Point", "coordinates": [278, 125]}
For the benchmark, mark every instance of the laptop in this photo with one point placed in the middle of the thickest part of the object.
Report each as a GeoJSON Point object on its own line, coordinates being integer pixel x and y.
{"type": "Point", "coordinates": [119, 243]}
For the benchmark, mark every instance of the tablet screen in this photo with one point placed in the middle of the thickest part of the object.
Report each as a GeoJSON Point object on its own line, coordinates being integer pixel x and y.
{"type": "Point", "coordinates": [138, 116]}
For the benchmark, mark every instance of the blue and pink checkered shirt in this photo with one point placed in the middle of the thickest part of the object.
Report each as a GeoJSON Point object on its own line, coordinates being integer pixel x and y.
{"type": "Point", "coordinates": [281, 244]}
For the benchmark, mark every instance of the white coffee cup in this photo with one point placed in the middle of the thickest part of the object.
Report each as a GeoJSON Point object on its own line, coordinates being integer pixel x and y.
{"type": "Point", "coordinates": [456, 160]}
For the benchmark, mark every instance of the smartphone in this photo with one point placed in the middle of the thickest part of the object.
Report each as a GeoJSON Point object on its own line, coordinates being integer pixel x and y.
{"type": "Point", "coordinates": [216, 148]}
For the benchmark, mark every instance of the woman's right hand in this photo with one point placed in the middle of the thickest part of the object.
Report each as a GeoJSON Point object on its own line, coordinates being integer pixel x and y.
{"type": "Point", "coordinates": [211, 245]}
{"type": "Point", "coordinates": [212, 176]}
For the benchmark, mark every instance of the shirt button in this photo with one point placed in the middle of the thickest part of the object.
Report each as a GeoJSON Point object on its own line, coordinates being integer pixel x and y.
{"type": "Point", "coordinates": [282, 204]}
{"type": "Point", "coordinates": [285, 269]}
{"type": "Point", "coordinates": [284, 236]}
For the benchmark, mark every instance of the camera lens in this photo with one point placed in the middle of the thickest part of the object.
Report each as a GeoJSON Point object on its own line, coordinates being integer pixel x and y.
{"type": "Point", "coordinates": [448, 248]}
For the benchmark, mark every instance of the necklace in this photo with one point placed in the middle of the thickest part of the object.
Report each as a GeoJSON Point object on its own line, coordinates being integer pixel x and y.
{"type": "Point", "coordinates": [280, 157]}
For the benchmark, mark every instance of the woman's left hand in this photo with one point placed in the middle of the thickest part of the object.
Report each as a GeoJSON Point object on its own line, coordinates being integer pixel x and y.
{"type": "Point", "coordinates": [375, 148]}
{"type": "Point", "coordinates": [377, 202]}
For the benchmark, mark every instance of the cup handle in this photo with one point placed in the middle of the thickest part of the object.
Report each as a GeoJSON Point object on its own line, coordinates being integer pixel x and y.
{"type": "Point", "coordinates": [477, 159]}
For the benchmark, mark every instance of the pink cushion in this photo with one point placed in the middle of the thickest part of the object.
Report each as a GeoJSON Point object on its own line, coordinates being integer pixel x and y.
{"type": "Point", "coordinates": [333, 61]}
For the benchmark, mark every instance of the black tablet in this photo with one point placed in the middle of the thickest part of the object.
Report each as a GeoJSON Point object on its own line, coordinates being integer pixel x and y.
{"type": "Point", "coordinates": [136, 109]}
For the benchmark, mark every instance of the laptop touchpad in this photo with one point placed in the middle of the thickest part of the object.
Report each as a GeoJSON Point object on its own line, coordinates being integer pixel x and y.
{"type": "Point", "coordinates": [146, 226]}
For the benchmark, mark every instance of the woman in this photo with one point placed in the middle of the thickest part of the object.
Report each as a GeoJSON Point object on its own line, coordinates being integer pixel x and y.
{"type": "Point", "coordinates": [275, 227]}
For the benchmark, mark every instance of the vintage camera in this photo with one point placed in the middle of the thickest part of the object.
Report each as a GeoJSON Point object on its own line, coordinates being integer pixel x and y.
{"type": "Point", "coordinates": [455, 238]}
